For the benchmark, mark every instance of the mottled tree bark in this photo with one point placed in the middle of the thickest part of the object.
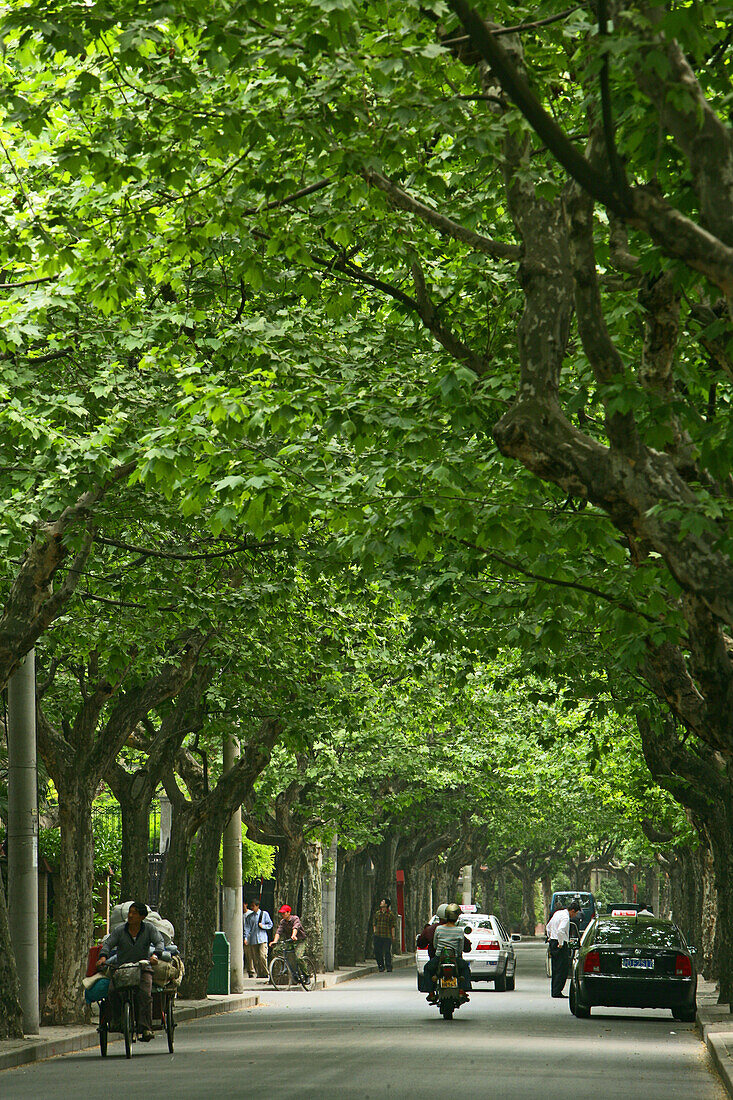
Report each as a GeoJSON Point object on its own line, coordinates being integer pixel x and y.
{"type": "Point", "coordinates": [348, 917]}
{"type": "Point", "coordinates": [173, 893]}
{"type": "Point", "coordinates": [73, 905]}
{"type": "Point", "coordinates": [11, 1017]}
{"type": "Point", "coordinates": [529, 917]}
{"type": "Point", "coordinates": [313, 900]}
{"type": "Point", "coordinates": [135, 790]}
{"type": "Point", "coordinates": [206, 817]}
{"type": "Point", "coordinates": [201, 911]}
{"type": "Point", "coordinates": [77, 757]}
{"type": "Point", "coordinates": [37, 596]}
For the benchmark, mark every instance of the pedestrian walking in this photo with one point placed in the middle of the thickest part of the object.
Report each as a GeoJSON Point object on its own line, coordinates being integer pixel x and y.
{"type": "Point", "coordinates": [256, 926]}
{"type": "Point", "coordinates": [384, 928]}
{"type": "Point", "coordinates": [558, 933]}
{"type": "Point", "coordinates": [248, 961]}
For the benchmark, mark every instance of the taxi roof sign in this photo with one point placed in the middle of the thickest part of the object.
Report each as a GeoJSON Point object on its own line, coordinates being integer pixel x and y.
{"type": "Point", "coordinates": [469, 908]}
{"type": "Point", "coordinates": [623, 912]}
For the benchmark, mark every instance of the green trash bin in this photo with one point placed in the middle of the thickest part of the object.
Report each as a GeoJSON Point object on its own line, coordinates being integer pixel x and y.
{"type": "Point", "coordinates": [219, 976]}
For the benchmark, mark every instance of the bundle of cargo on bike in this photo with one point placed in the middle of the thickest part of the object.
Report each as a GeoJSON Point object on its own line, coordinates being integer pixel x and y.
{"type": "Point", "coordinates": [124, 979]}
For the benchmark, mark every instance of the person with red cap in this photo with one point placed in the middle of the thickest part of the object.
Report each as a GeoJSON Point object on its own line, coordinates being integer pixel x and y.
{"type": "Point", "coordinates": [290, 928]}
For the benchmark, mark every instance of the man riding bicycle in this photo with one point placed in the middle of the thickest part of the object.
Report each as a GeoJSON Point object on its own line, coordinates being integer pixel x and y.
{"type": "Point", "coordinates": [291, 929]}
{"type": "Point", "coordinates": [131, 943]}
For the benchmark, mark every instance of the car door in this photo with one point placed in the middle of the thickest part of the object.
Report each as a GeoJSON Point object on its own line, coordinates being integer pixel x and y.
{"type": "Point", "coordinates": [505, 945]}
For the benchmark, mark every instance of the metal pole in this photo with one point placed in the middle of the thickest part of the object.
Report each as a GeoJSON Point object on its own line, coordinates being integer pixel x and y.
{"type": "Point", "coordinates": [232, 880]}
{"type": "Point", "coordinates": [329, 907]}
{"type": "Point", "coordinates": [467, 875]}
{"type": "Point", "coordinates": [23, 836]}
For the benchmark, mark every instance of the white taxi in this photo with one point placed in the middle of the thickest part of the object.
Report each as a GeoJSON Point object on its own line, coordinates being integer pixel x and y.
{"type": "Point", "coordinates": [491, 957]}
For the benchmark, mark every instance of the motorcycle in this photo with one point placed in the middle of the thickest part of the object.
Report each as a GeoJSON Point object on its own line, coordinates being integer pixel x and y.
{"type": "Point", "coordinates": [449, 995]}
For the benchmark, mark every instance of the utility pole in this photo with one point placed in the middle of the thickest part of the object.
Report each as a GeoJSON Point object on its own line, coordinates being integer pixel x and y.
{"type": "Point", "coordinates": [23, 836]}
{"type": "Point", "coordinates": [467, 885]}
{"type": "Point", "coordinates": [232, 880]}
{"type": "Point", "coordinates": [329, 907]}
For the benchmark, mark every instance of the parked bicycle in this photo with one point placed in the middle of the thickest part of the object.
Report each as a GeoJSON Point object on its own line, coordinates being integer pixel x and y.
{"type": "Point", "coordinates": [286, 969]}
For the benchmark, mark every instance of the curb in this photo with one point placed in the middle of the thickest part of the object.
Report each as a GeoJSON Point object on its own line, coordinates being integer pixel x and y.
{"type": "Point", "coordinates": [348, 974]}
{"type": "Point", "coordinates": [717, 1034]}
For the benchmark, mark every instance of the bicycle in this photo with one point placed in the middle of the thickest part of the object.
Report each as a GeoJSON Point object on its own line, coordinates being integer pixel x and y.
{"type": "Point", "coordinates": [125, 979]}
{"type": "Point", "coordinates": [286, 969]}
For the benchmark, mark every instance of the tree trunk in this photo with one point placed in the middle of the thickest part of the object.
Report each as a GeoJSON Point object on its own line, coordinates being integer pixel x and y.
{"type": "Point", "coordinates": [415, 894]}
{"type": "Point", "coordinates": [546, 883]}
{"type": "Point", "coordinates": [487, 901]}
{"type": "Point", "coordinates": [135, 846]}
{"type": "Point", "coordinates": [722, 850]}
{"type": "Point", "coordinates": [686, 893]}
{"type": "Point", "coordinates": [442, 885]}
{"type": "Point", "coordinates": [175, 876]}
{"type": "Point", "coordinates": [384, 857]}
{"type": "Point", "coordinates": [74, 905]}
{"type": "Point", "coordinates": [201, 910]}
{"type": "Point", "coordinates": [709, 962]}
{"type": "Point", "coordinates": [348, 916]}
{"type": "Point", "coordinates": [529, 917]}
{"type": "Point", "coordinates": [502, 909]}
{"type": "Point", "coordinates": [11, 1016]}
{"type": "Point", "coordinates": [312, 916]}
{"type": "Point", "coordinates": [289, 866]}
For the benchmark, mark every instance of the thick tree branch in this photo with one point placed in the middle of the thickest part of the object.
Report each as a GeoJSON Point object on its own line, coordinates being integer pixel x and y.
{"type": "Point", "coordinates": [516, 86]}
{"type": "Point", "coordinates": [705, 140]}
{"type": "Point", "coordinates": [449, 228]}
{"type": "Point", "coordinates": [445, 337]}
{"type": "Point", "coordinates": [32, 604]}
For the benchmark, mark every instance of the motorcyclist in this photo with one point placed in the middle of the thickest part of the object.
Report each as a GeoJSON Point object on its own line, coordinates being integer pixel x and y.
{"type": "Point", "coordinates": [425, 938]}
{"type": "Point", "coordinates": [448, 934]}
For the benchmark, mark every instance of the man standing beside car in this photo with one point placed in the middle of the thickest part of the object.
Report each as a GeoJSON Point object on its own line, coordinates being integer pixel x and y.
{"type": "Point", "coordinates": [558, 933]}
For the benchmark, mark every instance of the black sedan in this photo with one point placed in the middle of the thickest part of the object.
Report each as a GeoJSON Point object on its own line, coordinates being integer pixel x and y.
{"type": "Point", "coordinates": [634, 962]}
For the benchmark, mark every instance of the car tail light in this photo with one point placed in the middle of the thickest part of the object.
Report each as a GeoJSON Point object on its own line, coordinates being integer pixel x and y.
{"type": "Point", "coordinates": [488, 945]}
{"type": "Point", "coordinates": [592, 963]}
{"type": "Point", "coordinates": [683, 966]}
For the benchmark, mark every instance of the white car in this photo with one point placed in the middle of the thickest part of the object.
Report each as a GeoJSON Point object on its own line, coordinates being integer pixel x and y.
{"type": "Point", "coordinates": [491, 957]}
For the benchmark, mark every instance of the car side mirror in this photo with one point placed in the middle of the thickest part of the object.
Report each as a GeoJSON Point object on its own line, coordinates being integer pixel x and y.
{"type": "Point", "coordinates": [516, 938]}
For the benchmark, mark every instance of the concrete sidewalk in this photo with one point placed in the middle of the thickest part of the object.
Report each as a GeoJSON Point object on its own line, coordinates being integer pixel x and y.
{"type": "Point", "coordinates": [716, 1024]}
{"type": "Point", "coordinates": [62, 1040]}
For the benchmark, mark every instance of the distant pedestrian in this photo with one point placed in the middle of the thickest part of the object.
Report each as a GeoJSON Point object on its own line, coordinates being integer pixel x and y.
{"type": "Point", "coordinates": [558, 933]}
{"type": "Point", "coordinates": [248, 962]}
{"type": "Point", "coordinates": [384, 927]}
{"type": "Point", "coordinates": [256, 927]}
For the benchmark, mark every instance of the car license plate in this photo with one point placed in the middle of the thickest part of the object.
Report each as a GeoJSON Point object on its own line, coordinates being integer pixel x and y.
{"type": "Point", "coordinates": [637, 964]}
{"type": "Point", "coordinates": [450, 981]}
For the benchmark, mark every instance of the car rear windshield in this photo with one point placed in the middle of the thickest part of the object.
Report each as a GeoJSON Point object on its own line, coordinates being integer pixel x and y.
{"type": "Point", "coordinates": [640, 933]}
{"type": "Point", "coordinates": [586, 900]}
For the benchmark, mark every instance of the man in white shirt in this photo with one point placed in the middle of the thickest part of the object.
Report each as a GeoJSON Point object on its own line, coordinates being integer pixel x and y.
{"type": "Point", "coordinates": [558, 933]}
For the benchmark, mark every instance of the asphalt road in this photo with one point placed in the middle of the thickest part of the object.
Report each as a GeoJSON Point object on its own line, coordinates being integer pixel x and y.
{"type": "Point", "coordinates": [377, 1038]}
